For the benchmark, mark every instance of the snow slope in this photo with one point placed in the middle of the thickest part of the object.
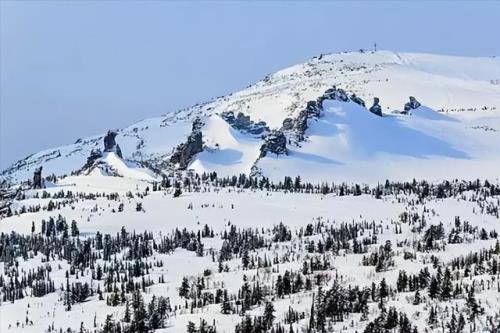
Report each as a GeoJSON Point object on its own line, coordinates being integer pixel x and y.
{"type": "Point", "coordinates": [348, 142]}
{"type": "Point", "coordinates": [111, 164]}
{"type": "Point", "coordinates": [446, 83]}
{"type": "Point", "coordinates": [228, 150]}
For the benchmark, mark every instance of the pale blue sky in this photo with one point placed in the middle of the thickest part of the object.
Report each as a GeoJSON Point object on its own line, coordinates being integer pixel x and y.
{"type": "Point", "coordinates": [72, 69]}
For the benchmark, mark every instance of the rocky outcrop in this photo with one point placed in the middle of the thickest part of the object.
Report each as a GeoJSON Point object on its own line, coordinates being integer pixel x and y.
{"type": "Point", "coordinates": [411, 105]}
{"type": "Point", "coordinates": [109, 141]}
{"type": "Point", "coordinates": [110, 144]}
{"type": "Point", "coordinates": [184, 152]}
{"type": "Point", "coordinates": [288, 124]}
{"type": "Point", "coordinates": [296, 127]}
{"type": "Point", "coordinates": [95, 154]}
{"type": "Point", "coordinates": [376, 108]}
{"type": "Point", "coordinates": [275, 143]}
{"type": "Point", "coordinates": [244, 123]}
{"type": "Point", "coordinates": [335, 94]}
{"type": "Point", "coordinates": [37, 178]}
{"type": "Point", "coordinates": [357, 100]}
{"type": "Point", "coordinates": [119, 151]}
{"type": "Point", "coordinates": [8, 194]}
{"type": "Point", "coordinates": [312, 110]}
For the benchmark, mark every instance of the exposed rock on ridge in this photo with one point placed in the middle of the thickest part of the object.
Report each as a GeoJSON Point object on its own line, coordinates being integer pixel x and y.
{"type": "Point", "coordinates": [243, 123]}
{"type": "Point", "coordinates": [184, 152]}
{"type": "Point", "coordinates": [275, 142]}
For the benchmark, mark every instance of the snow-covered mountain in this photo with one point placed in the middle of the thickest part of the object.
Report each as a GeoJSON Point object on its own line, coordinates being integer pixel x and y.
{"type": "Point", "coordinates": [133, 241]}
{"type": "Point", "coordinates": [343, 141]}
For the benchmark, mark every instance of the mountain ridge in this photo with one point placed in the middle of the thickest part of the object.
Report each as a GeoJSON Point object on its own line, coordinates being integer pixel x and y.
{"type": "Point", "coordinates": [444, 83]}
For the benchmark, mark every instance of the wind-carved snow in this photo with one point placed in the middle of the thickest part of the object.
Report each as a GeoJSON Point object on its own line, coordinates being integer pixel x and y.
{"type": "Point", "coordinates": [228, 151]}
{"type": "Point", "coordinates": [111, 164]}
{"type": "Point", "coordinates": [348, 142]}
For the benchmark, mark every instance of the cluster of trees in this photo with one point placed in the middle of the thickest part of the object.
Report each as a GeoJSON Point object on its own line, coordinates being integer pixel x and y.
{"type": "Point", "coordinates": [389, 321]}
{"type": "Point", "coordinates": [259, 324]}
{"type": "Point", "coordinates": [422, 189]}
{"type": "Point", "coordinates": [139, 317]}
{"type": "Point", "coordinates": [121, 264]}
{"type": "Point", "coordinates": [482, 191]}
{"type": "Point", "coordinates": [14, 286]}
{"type": "Point", "coordinates": [126, 260]}
{"type": "Point", "coordinates": [382, 260]}
{"type": "Point", "coordinates": [202, 328]}
{"type": "Point", "coordinates": [58, 200]}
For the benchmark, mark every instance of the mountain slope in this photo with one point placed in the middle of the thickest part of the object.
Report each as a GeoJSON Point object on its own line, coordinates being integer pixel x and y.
{"type": "Point", "coordinates": [348, 142]}
{"type": "Point", "coordinates": [117, 247]}
{"type": "Point", "coordinates": [444, 83]}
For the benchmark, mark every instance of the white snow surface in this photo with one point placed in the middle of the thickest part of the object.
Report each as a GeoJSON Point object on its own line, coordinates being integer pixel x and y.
{"type": "Point", "coordinates": [465, 88]}
{"type": "Point", "coordinates": [349, 143]}
{"type": "Point", "coordinates": [113, 164]}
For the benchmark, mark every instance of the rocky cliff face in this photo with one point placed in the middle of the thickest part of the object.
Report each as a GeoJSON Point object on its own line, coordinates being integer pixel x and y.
{"type": "Point", "coordinates": [185, 151]}
{"type": "Point", "coordinates": [296, 127]}
{"type": "Point", "coordinates": [109, 141]}
{"type": "Point", "coordinates": [110, 144]}
{"type": "Point", "coordinates": [37, 178]}
{"type": "Point", "coordinates": [275, 143]}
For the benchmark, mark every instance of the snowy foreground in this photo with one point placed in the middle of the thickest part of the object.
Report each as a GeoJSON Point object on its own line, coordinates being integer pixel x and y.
{"type": "Point", "coordinates": [318, 262]}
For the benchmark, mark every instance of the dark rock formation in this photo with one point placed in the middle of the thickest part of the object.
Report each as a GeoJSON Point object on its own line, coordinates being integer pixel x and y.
{"type": "Point", "coordinates": [300, 124]}
{"type": "Point", "coordinates": [288, 124]}
{"type": "Point", "coordinates": [7, 195]}
{"type": "Point", "coordinates": [37, 178]}
{"type": "Point", "coordinates": [185, 151]}
{"type": "Point", "coordinates": [335, 94]}
{"type": "Point", "coordinates": [376, 108]}
{"type": "Point", "coordinates": [244, 123]}
{"type": "Point", "coordinates": [119, 151]}
{"type": "Point", "coordinates": [109, 141]}
{"type": "Point", "coordinates": [357, 100]}
{"type": "Point", "coordinates": [313, 110]}
{"type": "Point", "coordinates": [411, 105]}
{"type": "Point", "coordinates": [95, 154]}
{"type": "Point", "coordinates": [275, 142]}
{"type": "Point", "coordinates": [110, 144]}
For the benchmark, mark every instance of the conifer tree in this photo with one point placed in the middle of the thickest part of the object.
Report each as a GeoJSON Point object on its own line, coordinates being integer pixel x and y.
{"type": "Point", "coordinates": [268, 315]}
{"type": "Point", "coordinates": [472, 305]}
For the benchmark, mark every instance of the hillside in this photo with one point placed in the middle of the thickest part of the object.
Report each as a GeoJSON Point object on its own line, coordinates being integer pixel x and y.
{"type": "Point", "coordinates": [465, 89]}
{"type": "Point", "coordinates": [293, 206]}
